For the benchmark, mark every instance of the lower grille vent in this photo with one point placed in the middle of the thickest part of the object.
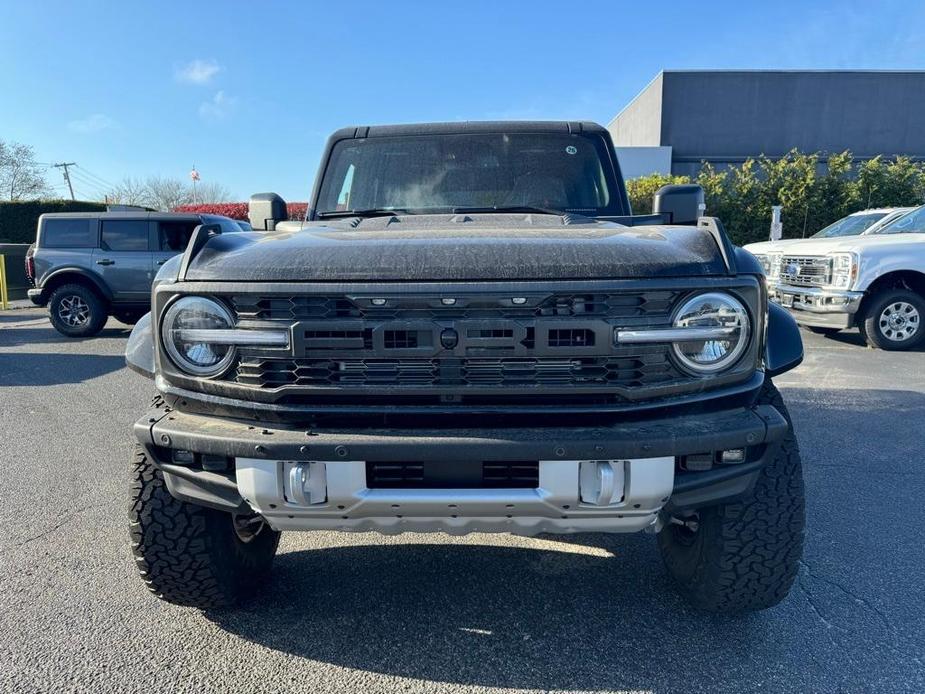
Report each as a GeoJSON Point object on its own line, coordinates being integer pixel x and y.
{"type": "Point", "coordinates": [521, 474]}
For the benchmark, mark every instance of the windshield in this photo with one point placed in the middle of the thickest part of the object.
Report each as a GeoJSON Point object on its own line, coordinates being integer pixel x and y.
{"type": "Point", "coordinates": [443, 173]}
{"type": "Point", "coordinates": [849, 226]}
{"type": "Point", "coordinates": [911, 223]}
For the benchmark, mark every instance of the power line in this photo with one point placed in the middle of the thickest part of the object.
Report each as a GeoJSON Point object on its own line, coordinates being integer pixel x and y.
{"type": "Point", "coordinates": [93, 176]}
{"type": "Point", "coordinates": [87, 182]}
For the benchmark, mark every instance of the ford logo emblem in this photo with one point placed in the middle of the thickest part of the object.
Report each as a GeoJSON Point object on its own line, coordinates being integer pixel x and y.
{"type": "Point", "coordinates": [792, 269]}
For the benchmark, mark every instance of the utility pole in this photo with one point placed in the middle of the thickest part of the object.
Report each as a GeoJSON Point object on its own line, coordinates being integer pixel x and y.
{"type": "Point", "coordinates": [66, 175]}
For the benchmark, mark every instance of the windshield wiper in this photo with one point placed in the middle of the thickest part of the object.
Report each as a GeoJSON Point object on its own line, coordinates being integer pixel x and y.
{"type": "Point", "coordinates": [372, 212]}
{"type": "Point", "coordinates": [527, 209]}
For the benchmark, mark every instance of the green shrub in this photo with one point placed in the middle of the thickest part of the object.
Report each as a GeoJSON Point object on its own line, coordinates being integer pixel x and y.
{"type": "Point", "coordinates": [18, 220]}
{"type": "Point", "coordinates": [811, 195]}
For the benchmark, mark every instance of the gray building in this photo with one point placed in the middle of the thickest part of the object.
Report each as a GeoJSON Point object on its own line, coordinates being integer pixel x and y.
{"type": "Point", "coordinates": [724, 117]}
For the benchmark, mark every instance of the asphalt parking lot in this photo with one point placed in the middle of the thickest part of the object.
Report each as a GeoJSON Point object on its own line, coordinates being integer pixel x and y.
{"type": "Point", "coordinates": [431, 613]}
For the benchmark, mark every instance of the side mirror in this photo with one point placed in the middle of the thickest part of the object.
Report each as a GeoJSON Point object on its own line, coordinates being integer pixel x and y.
{"type": "Point", "coordinates": [683, 204]}
{"type": "Point", "coordinates": [266, 209]}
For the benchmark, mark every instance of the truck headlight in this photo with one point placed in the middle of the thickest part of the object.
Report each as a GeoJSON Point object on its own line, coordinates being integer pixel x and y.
{"type": "Point", "coordinates": [844, 270]}
{"type": "Point", "coordinates": [724, 325]}
{"type": "Point", "coordinates": [179, 329]}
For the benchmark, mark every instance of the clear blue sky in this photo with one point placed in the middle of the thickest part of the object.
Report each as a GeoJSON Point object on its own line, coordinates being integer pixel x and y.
{"type": "Point", "coordinates": [248, 91]}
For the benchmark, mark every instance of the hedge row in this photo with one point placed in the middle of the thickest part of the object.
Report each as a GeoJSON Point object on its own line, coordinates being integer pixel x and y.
{"type": "Point", "coordinates": [19, 220]}
{"type": "Point", "coordinates": [238, 210]}
{"type": "Point", "coordinates": [812, 196]}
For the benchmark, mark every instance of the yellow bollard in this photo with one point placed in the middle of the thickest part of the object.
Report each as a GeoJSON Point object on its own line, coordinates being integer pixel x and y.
{"type": "Point", "coordinates": [4, 297]}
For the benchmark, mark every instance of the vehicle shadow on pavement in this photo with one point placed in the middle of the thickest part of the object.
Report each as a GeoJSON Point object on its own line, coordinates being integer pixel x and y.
{"type": "Point", "coordinates": [582, 616]}
{"type": "Point", "coordinates": [45, 334]}
{"type": "Point", "coordinates": [49, 369]}
{"type": "Point", "coordinates": [853, 338]}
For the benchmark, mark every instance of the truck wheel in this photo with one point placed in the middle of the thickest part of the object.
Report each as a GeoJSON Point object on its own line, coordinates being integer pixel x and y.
{"type": "Point", "coordinates": [77, 311]}
{"type": "Point", "coordinates": [192, 555]}
{"type": "Point", "coordinates": [743, 556]}
{"type": "Point", "coordinates": [893, 320]}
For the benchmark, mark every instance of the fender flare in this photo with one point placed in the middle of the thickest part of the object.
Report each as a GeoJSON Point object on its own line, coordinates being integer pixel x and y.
{"type": "Point", "coordinates": [83, 273]}
{"type": "Point", "coordinates": [783, 348]}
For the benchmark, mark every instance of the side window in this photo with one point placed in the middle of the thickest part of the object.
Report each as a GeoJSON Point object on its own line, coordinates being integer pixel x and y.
{"type": "Point", "coordinates": [124, 235]}
{"type": "Point", "coordinates": [912, 223]}
{"type": "Point", "coordinates": [174, 236]}
{"type": "Point", "coordinates": [67, 233]}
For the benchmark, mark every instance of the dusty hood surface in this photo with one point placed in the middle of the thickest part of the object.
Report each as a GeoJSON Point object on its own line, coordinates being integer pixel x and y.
{"type": "Point", "coordinates": [457, 248]}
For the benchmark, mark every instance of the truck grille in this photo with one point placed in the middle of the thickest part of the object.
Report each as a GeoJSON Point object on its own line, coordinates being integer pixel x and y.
{"type": "Point", "coordinates": [465, 345]}
{"type": "Point", "coordinates": [646, 367]}
{"type": "Point", "coordinates": [808, 271]}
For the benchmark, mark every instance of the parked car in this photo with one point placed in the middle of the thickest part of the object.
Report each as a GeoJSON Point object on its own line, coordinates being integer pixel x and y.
{"type": "Point", "coordinates": [87, 266]}
{"type": "Point", "coordinates": [470, 333]}
{"type": "Point", "coordinates": [855, 224]}
{"type": "Point", "coordinates": [874, 281]}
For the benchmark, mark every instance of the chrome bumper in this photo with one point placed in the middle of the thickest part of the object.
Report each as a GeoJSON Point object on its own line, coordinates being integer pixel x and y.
{"type": "Point", "coordinates": [815, 299]}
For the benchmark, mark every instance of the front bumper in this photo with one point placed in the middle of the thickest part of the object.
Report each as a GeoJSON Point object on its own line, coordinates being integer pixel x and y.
{"type": "Point", "coordinates": [267, 460]}
{"type": "Point", "coordinates": [818, 306]}
{"type": "Point", "coordinates": [36, 296]}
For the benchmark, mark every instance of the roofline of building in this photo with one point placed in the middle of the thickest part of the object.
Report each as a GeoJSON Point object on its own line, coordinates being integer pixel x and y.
{"type": "Point", "coordinates": [791, 71]}
{"type": "Point", "coordinates": [633, 100]}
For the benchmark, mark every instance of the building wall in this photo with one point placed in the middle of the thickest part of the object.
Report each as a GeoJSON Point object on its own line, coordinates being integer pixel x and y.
{"type": "Point", "coordinates": [727, 116]}
{"type": "Point", "coordinates": [643, 161]}
{"type": "Point", "coordinates": [640, 123]}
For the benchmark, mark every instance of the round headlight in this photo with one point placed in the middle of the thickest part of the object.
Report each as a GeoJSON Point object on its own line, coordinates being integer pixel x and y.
{"type": "Point", "coordinates": [724, 335]}
{"type": "Point", "coordinates": [182, 319]}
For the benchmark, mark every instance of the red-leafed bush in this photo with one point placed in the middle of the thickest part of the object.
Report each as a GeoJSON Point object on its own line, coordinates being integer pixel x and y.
{"type": "Point", "coordinates": [238, 210]}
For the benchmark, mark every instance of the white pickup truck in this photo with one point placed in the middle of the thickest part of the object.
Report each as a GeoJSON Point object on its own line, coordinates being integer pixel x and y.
{"type": "Point", "coordinates": [874, 281]}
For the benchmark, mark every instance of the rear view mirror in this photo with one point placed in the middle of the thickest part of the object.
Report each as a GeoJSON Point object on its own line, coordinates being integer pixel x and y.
{"type": "Point", "coordinates": [266, 209]}
{"type": "Point", "coordinates": [682, 204]}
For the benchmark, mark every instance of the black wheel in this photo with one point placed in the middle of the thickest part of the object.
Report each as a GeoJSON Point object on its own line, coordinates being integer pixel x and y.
{"type": "Point", "coordinates": [191, 555]}
{"type": "Point", "coordinates": [743, 556]}
{"type": "Point", "coordinates": [893, 320]}
{"type": "Point", "coordinates": [822, 331]}
{"type": "Point", "coordinates": [77, 311]}
{"type": "Point", "coordinates": [129, 317]}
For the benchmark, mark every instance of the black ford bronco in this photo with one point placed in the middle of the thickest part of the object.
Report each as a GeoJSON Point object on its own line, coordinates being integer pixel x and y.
{"type": "Point", "coordinates": [469, 332]}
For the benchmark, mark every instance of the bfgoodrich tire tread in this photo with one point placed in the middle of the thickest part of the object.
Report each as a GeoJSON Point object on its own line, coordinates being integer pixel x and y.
{"type": "Point", "coordinates": [745, 555]}
{"type": "Point", "coordinates": [187, 554]}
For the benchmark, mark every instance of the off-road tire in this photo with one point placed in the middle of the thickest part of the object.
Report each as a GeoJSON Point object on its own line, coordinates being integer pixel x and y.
{"type": "Point", "coordinates": [870, 327]}
{"type": "Point", "coordinates": [70, 294]}
{"type": "Point", "coordinates": [191, 555]}
{"type": "Point", "coordinates": [744, 556]}
{"type": "Point", "coordinates": [822, 331]}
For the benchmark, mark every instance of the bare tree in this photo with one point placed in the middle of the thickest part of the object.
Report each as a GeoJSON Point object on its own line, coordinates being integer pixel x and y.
{"type": "Point", "coordinates": [212, 192]}
{"type": "Point", "coordinates": [129, 191]}
{"type": "Point", "coordinates": [21, 178]}
{"type": "Point", "coordinates": [167, 193]}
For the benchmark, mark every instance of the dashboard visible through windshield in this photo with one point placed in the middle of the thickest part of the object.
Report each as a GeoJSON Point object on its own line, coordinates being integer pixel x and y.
{"type": "Point", "coordinates": [478, 171]}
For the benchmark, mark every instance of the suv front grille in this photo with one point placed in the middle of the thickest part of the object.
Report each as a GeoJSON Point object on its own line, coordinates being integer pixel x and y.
{"type": "Point", "coordinates": [807, 271]}
{"type": "Point", "coordinates": [458, 348]}
{"type": "Point", "coordinates": [418, 307]}
{"type": "Point", "coordinates": [646, 367]}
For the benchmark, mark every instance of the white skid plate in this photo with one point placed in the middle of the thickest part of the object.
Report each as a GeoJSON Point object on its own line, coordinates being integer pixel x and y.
{"type": "Point", "coordinates": [572, 496]}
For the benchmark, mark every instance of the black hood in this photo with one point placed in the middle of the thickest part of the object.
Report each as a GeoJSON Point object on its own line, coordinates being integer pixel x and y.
{"type": "Point", "coordinates": [458, 248]}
